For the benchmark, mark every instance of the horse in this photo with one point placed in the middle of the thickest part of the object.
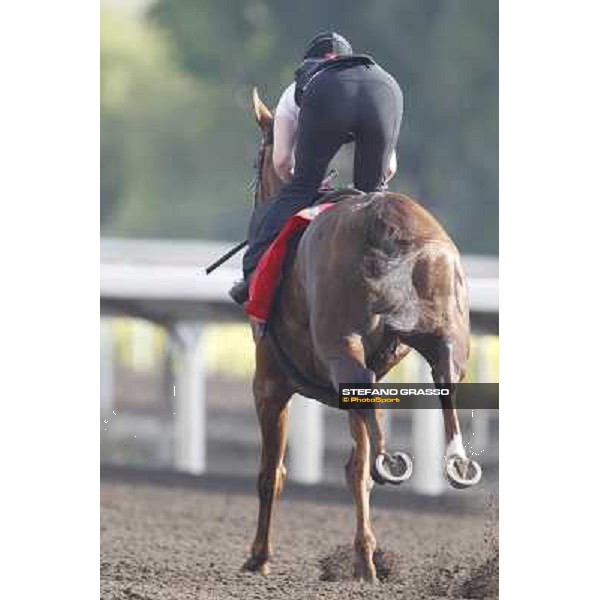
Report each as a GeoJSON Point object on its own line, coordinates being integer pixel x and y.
{"type": "Point", "coordinates": [371, 279]}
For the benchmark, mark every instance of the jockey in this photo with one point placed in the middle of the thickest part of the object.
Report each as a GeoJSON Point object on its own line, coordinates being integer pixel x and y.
{"type": "Point", "coordinates": [337, 97]}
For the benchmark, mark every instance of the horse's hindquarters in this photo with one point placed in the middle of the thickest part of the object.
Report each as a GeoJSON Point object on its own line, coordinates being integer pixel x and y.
{"type": "Point", "coordinates": [378, 269]}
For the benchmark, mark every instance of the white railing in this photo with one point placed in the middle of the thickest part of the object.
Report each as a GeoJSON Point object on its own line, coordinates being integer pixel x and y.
{"type": "Point", "coordinates": [165, 281]}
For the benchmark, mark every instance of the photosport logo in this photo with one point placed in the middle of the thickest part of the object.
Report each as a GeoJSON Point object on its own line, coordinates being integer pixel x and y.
{"type": "Point", "coordinates": [417, 395]}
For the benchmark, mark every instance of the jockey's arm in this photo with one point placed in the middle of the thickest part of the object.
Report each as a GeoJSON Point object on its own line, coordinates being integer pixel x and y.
{"type": "Point", "coordinates": [284, 138]}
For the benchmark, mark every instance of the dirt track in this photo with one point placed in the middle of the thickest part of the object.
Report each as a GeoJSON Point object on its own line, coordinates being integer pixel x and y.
{"type": "Point", "coordinates": [162, 542]}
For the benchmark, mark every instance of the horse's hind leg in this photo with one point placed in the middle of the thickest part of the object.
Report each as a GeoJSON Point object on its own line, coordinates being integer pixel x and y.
{"type": "Point", "coordinates": [350, 367]}
{"type": "Point", "coordinates": [271, 395]}
{"type": "Point", "coordinates": [360, 482]}
{"type": "Point", "coordinates": [447, 367]}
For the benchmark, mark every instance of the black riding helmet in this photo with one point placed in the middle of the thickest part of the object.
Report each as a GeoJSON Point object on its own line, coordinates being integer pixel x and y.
{"type": "Point", "coordinates": [328, 42]}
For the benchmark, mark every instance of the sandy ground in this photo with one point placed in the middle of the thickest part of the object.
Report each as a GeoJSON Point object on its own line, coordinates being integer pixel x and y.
{"type": "Point", "coordinates": [188, 541]}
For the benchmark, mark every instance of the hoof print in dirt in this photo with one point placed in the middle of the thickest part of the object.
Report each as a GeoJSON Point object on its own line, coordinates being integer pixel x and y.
{"type": "Point", "coordinates": [338, 566]}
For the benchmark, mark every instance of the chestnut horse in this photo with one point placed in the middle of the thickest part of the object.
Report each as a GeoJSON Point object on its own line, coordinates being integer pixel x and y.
{"type": "Point", "coordinates": [371, 278]}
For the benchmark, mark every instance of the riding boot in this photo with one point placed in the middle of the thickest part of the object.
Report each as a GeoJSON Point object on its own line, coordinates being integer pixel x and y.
{"type": "Point", "coordinates": [256, 248]}
{"type": "Point", "coordinates": [265, 225]}
{"type": "Point", "coordinates": [239, 292]}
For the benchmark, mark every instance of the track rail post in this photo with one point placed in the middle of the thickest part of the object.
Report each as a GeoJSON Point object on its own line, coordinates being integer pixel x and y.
{"type": "Point", "coordinates": [107, 366]}
{"type": "Point", "coordinates": [306, 440]}
{"type": "Point", "coordinates": [428, 444]}
{"type": "Point", "coordinates": [481, 416]}
{"type": "Point", "coordinates": [190, 400]}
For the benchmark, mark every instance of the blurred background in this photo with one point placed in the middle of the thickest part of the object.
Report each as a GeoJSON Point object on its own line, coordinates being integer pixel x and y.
{"type": "Point", "coordinates": [178, 142]}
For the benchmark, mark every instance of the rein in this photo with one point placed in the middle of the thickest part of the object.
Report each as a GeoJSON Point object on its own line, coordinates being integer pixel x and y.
{"type": "Point", "coordinates": [267, 140]}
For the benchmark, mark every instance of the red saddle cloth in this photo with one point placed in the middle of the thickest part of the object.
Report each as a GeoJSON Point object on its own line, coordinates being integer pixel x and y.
{"type": "Point", "coordinates": [267, 275]}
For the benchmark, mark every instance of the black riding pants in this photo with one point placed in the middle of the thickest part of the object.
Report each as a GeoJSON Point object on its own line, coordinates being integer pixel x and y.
{"type": "Point", "coordinates": [364, 101]}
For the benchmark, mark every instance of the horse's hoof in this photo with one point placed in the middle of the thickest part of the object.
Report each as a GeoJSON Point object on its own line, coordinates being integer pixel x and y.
{"type": "Point", "coordinates": [393, 468]}
{"type": "Point", "coordinates": [256, 565]}
{"type": "Point", "coordinates": [462, 472]}
{"type": "Point", "coordinates": [367, 578]}
{"type": "Point", "coordinates": [366, 573]}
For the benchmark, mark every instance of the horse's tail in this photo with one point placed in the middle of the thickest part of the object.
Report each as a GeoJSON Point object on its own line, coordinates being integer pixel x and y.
{"type": "Point", "coordinates": [385, 271]}
{"type": "Point", "coordinates": [408, 258]}
{"type": "Point", "coordinates": [386, 237]}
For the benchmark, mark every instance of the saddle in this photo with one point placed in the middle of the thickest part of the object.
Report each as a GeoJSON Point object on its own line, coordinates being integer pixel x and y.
{"type": "Point", "coordinates": [334, 196]}
{"type": "Point", "coordinates": [269, 272]}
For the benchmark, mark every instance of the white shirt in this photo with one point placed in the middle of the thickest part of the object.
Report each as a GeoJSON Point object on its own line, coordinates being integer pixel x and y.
{"type": "Point", "coordinates": [287, 107]}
